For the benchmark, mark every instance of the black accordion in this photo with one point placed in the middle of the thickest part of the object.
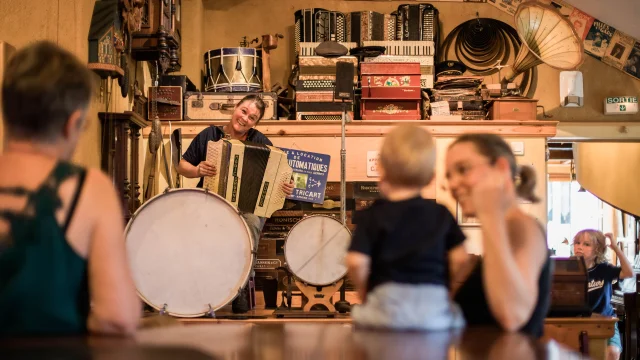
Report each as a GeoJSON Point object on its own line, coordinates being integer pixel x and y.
{"type": "Point", "coordinates": [370, 25]}
{"type": "Point", "coordinates": [319, 25]}
{"type": "Point", "coordinates": [418, 22]}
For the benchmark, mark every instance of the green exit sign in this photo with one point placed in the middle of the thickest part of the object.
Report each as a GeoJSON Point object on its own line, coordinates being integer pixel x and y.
{"type": "Point", "coordinates": [621, 105]}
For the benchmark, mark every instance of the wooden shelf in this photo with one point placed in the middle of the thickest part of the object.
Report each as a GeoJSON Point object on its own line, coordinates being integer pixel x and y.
{"type": "Point", "coordinates": [305, 128]}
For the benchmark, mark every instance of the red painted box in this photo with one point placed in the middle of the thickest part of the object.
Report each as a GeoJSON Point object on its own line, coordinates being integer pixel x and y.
{"type": "Point", "coordinates": [391, 81]}
{"type": "Point", "coordinates": [380, 109]}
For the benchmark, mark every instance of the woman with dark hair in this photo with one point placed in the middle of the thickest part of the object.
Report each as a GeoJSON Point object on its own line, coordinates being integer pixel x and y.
{"type": "Point", "coordinates": [510, 286]}
{"type": "Point", "coordinates": [63, 264]}
{"type": "Point", "coordinates": [246, 115]}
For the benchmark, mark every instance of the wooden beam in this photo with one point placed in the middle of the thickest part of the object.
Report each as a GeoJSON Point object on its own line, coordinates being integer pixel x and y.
{"type": "Point", "coordinates": [598, 131]}
{"type": "Point", "coordinates": [360, 128]}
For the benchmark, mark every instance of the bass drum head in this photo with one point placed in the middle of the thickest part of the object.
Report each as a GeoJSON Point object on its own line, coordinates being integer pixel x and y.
{"type": "Point", "coordinates": [315, 250]}
{"type": "Point", "coordinates": [188, 249]}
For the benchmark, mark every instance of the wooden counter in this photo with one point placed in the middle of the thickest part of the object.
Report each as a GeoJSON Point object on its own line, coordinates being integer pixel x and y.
{"type": "Point", "coordinates": [567, 331]}
{"type": "Point", "coordinates": [289, 341]}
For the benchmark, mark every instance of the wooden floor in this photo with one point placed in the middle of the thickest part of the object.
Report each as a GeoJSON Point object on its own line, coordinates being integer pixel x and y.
{"type": "Point", "coordinates": [295, 341]}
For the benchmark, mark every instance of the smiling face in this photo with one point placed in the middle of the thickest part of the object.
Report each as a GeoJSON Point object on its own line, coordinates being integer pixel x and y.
{"type": "Point", "coordinates": [465, 167]}
{"type": "Point", "coordinates": [245, 116]}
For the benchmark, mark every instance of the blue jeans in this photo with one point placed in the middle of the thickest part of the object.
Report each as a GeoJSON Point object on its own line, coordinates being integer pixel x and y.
{"type": "Point", "coordinates": [255, 224]}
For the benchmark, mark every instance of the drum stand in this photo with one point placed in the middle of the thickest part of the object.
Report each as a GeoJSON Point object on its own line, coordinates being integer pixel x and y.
{"type": "Point", "coordinates": [315, 295]}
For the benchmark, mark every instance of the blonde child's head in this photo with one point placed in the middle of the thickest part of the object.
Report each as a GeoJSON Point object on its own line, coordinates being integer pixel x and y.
{"type": "Point", "coordinates": [407, 157]}
{"type": "Point", "coordinates": [590, 244]}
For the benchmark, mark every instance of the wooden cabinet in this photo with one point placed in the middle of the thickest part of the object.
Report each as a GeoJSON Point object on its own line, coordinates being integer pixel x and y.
{"type": "Point", "coordinates": [120, 156]}
{"type": "Point", "coordinates": [522, 109]}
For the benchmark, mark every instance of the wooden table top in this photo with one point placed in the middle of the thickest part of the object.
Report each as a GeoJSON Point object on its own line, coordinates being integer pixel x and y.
{"type": "Point", "coordinates": [288, 341]}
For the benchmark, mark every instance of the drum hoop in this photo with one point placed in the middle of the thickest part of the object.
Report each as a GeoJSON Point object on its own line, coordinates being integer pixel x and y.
{"type": "Point", "coordinates": [251, 245]}
{"type": "Point", "coordinates": [287, 240]}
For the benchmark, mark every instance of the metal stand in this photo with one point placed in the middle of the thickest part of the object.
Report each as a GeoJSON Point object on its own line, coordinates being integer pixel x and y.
{"type": "Point", "coordinates": [343, 305]}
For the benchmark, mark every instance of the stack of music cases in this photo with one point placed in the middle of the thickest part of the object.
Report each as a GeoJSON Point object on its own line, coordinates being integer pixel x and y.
{"type": "Point", "coordinates": [390, 91]}
{"type": "Point", "coordinates": [315, 99]}
{"type": "Point", "coordinates": [220, 105]}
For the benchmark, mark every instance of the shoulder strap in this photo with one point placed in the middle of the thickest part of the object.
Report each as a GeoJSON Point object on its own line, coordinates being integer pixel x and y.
{"type": "Point", "coordinates": [74, 200]}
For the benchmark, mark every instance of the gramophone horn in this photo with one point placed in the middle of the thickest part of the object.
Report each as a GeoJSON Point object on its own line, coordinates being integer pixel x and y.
{"type": "Point", "coordinates": [547, 37]}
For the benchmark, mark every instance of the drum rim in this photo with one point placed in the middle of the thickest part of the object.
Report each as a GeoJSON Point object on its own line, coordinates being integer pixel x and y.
{"type": "Point", "coordinates": [251, 244]}
{"type": "Point", "coordinates": [287, 240]}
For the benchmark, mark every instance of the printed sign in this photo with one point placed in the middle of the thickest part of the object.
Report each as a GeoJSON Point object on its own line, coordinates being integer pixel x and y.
{"type": "Point", "coordinates": [632, 65]}
{"type": "Point", "coordinates": [620, 105]}
{"type": "Point", "coordinates": [267, 264]}
{"type": "Point", "coordinates": [372, 163]}
{"type": "Point", "coordinates": [619, 50]}
{"type": "Point", "coordinates": [598, 39]}
{"type": "Point", "coordinates": [581, 22]}
{"type": "Point", "coordinates": [310, 173]}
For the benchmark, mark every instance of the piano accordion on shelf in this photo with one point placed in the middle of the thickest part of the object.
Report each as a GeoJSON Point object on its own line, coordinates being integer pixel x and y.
{"type": "Point", "coordinates": [319, 25]}
{"type": "Point", "coordinates": [418, 22]}
{"type": "Point", "coordinates": [370, 25]}
{"type": "Point", "coordinates": [249, 175]}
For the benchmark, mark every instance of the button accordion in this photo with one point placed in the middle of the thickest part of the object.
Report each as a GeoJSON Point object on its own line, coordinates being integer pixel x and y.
{"type": "Point", "coordinates": [418, 22]}
{"type": "Point", "coordinates": [248, 175]}
{"type": "Point", "coordinates": [319, 25]}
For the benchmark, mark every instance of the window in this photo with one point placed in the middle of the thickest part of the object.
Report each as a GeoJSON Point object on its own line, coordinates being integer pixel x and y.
{"type": "Point", "coordinates": [569, 210]}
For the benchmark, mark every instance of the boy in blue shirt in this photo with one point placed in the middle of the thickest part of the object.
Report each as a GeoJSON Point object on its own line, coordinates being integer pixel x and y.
{"type": "Point", "coordinates": [591, 245]}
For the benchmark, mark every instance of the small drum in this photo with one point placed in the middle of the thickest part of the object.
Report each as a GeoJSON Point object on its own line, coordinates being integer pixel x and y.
{"type": "Point", "coordinates": [315, 250]}
{"type": "Point", "coordinates": [190, 252]}
{"type": "Point", "coordinates": [233, 70]}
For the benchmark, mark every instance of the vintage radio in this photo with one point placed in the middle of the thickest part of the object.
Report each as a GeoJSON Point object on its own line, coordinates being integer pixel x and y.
{"type": "Point", "coordinates": [370, 25]}
{"type": "Point", "coordinates": [569, 288]}
{"type": "Point", "coordinates": [220, 105]}
{"type": "Point", "coordinates": [167, 101]}
{"type": "Point", "coordinates": [309, 48]}
{"type": "Point", "coordinates": [418, 22]}
{"type": "Point", "coordinates": [106, 41]}
{"type": "Point", "coordinates": [249, 175]}
{"type": "Point", "coordinates": [160, 36]}
{"type": "Point", "coordinates": [513, 108]}
{"type": "Point", "coordinates": [319, 25]}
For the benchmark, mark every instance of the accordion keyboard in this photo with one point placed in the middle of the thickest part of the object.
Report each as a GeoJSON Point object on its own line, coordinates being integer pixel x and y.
{"type": "Point", "coordinates": [406, 48]}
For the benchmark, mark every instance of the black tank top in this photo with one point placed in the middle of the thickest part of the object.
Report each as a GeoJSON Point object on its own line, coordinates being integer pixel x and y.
{"type": "Point", "coordinates": [474, 305]}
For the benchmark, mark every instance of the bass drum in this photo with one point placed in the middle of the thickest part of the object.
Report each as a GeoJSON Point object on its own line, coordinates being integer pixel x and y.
{"type": "Point", "coordinates": [190, 252]}
{"type": "Point", "coordinates": [233, 70]}
{"type": "Point", "coordinates": [315, 250]}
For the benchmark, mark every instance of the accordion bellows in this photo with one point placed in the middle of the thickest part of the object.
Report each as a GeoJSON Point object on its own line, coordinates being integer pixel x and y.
{"type": "Point", "coordinates": [249, 175]}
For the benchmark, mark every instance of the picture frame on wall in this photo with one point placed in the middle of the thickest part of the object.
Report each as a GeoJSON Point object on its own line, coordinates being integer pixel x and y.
{"type": "Point", "coordinates": [465, 220]}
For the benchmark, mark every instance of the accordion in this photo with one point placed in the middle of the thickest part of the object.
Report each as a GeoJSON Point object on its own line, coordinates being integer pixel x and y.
{"type": "Point", "coordinates": [248, 175]}
{"type": "Point", "coordinates": [319, 25]}
{"type": "Point", "coordinates": [370, 25]}
{"type": "Point", "coordinates": [418, 22]}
